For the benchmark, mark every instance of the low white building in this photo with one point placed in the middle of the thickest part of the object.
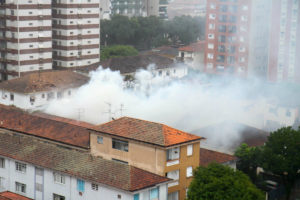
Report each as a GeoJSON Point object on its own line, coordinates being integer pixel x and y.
{"type": "Point", "coordinates": [193, 55]}
{"type": "Point", "coordinates": [37, 89]}
{"type": "Point", "coordinates": [41, 170]}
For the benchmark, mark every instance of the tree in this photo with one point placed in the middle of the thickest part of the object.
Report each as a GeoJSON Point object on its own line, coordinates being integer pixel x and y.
{"type": "Point", "coordinates": [281, 156]}
{"type": "Point", "coordinates": [221, 182]}
{"type": "Point", "coordinates": [118, 51]}
{"type": "Point", "coordinates": [249, 158]}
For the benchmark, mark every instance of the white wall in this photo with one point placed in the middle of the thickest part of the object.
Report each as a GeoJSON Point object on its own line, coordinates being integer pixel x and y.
{"type": "Point", "coordinates": [68, 190]}
{"type": "Point", "coordinates": [23, 100]}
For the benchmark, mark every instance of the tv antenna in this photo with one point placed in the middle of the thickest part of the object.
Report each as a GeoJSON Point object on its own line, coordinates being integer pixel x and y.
{"type": "Point", "coordinates": [80, 113]}
{"type": "Point", "coordinates": [121, 109]}
{"type": "Point", "coordinates": [109, 111]}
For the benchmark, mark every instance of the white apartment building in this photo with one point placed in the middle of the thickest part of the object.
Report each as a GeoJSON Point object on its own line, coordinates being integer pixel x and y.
{"type": "Point", "coordinates": [26, 41]}
{"type": "Point", "coordinates": [76, 32]}
{"type": "Point", "coordinates": [41, 170]}
{"type": "Point", "coordinates": [35, 90]}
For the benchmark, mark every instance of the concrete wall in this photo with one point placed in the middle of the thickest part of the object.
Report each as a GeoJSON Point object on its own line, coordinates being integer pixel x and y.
{"type": "Point", "coordinates": [9, 176]}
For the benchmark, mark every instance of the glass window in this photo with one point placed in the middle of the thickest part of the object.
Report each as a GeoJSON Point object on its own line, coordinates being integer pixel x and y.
{"type": "Point", "coordinates": [21, 167]}
{"type": "Point", "coordinates": [173, 153]}
{"type": "Point", "coordinates": [154, 194]}
{"type": "Point", "coordinates": [2, 163]}
{"type": "Point", "coordinates": [20, 187]}
{"type": "Point", "coordinates": [58, 197]}
{"type": "Point", "coordinates": [99, 140]}
{"type": "Point", "coordinates": [173, 175]}
{"type": "Point", "coordinates": [95, 186]}
{"type": "Point", "coordinates": [173, 196]}
{"type": "Point", "coordinates": [136, 197]}
{"type": "Point", "coordinates": [189, 171]}
{"type": "Point", "coordinates": [120, 145]}
{"type": "Point", "coordinates": [80, 185]}
{"type": "Point", "coordinates": [190, 150]}
{"type": "Point", "coordinates": [59, 178]}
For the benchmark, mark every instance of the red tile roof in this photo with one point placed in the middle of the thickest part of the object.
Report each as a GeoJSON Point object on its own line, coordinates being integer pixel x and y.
{"type": "Point", "coordinates": [76, 163]}
{"type": "Point", "coordinates": [145, 131]}
{"type": "Point", "coordinates": [12, 196]}
{"type": "Point", "coordinates": [208, 156]}
{"type": "Point", "coordinates": [17, 120]}
{"type": "Point", "coordinates": [44, 81]}
{"type": "Point", "coordinates": [195, 47]}
{"type": "Point", "coordinates": [62, 119]}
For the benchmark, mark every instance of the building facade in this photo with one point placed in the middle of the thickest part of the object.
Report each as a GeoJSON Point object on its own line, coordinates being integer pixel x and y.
{"type": "Point", "coordinates": [139, 143]}
{"type": "Point", "coordinates": [26, 41]}
{"type": "Point", "coordinates": [227, 36]}
{"type": "Point", "coordinates": [71, 174]}
{"type": "Point", "coordinates": [255, 37]}
{"type": "Point", "coordinates": [76, 32]}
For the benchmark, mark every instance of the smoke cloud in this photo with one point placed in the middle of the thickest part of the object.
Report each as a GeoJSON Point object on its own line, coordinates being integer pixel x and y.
{"type": "Point", "coordinates": [188, 104]}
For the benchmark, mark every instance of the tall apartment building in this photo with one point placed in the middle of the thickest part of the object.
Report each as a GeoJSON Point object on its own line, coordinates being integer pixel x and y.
{"type": "Point", "coordinates": [130, 8]}
{"type": "Point", "coordinates": [227, 36]}
{"type": "Point", "coordinates": [284, 60]}
{"type": "Point", "coordinates": [25, 31]}
{"type": "Point", "coordinates": [76, 32]}
{"type": "Point", "coordinates": [255, 37]}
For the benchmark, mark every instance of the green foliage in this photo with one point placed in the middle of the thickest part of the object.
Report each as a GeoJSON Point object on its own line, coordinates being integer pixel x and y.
{"type": "Point", "coordinates": [248, 161]}
{"type": "Point", "coordinates": [149, 32]}
{"type": "Point", "coordinates": [281, 156]}
{"type": "Point", "coordinates": [118, 51]}
{"type": "Point", "coordinates": [221, 182]}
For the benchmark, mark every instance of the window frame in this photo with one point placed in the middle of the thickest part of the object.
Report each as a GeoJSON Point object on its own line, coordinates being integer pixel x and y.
{"type": "Point", "coordinates": [116, 142]}
{"type": "Point", "coordinates": [2, 162]}
{"type": "Point", "coordinates": [20, 167]}
{"type": "Point", "coordinates": [20, 187]}
{"type": "Point", "coordinates": [59, 178]}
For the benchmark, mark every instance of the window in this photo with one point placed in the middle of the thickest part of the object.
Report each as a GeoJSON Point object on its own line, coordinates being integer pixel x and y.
{"type": "Point", "coordinates": [59, 178]}
{"type": "Point", "coordinates": [189, 171]}
{"type": "Point", "coordinates": [173, 175]}
{"type": "Point", "coordinates": [120, 145]}
{"type": "Point", "coordinates": [21, 167]}
{"type": "Point", "coordinates": [95, 187]}
{"type": "Point", "coordinates": [210, 56]}
{"type": "Point", "coordinates": [99, 140]}
{"type": "Point", "coordinates": [20, 187]}
{"type": "Point", "coordinates": [212, 16]}
{"type": "Point", "coordinates": [173, 196]}
{"type": "Point", "coordinates": [211, 36]}
{"type": "Point", "coordinates": [211, 26]}
{"type": "Point", "coordinates": [2, 163]}
{"type": "Point", "coordinates": [80, 185]}
{"type": "Point", "coordinates": [190, 150]}
{"type": "Point", "coordinates": [32, 99]}
{"type": "Point", "coordinates": [58, 197]}
{"type": "Point", "coordinates": [50, 96]}
{"type": "Point", "coordinates": [154, 194]}
{"type": "Point", "coordinates": [39, 187]}
{"type": "Point", "coordinates": [136, 197]}
{"type": "Point", "coordinates": [173, 153]}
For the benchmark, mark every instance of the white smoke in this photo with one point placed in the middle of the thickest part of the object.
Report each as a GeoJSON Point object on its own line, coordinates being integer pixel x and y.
{"type": "Point", "coordinates": [189, 104]}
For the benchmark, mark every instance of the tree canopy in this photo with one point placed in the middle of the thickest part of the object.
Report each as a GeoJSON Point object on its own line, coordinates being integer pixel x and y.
{"type": "Point", "coordinates": [149, 32]}
{"type": "Point", "coordinates": [280, 155]}
{"type": "Point", "coordinates": [221, 182]}
{"type": "Point", "coordinates": [118, 51]}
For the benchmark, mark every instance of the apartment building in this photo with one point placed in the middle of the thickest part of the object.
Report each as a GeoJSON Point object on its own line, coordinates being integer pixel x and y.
{"type": "Point", "coordinates": [76, 32]}
{"type": "Point", "coordinates": [284, 62]}
{"type": "Point", "coordinates": [150, 146]}
{"type": "Point", "coordinates": [25, 36]}
{"type": "Point", "coordinates": [134, 8]}
{"type": "Point", "coordinates": [36, 90]}
{"type": "Point", "coordinates": [227, 36]}
{"type": "Point", "coordinates": [40, 169]}
{"type": "Point", "coordinates": [255, 37]}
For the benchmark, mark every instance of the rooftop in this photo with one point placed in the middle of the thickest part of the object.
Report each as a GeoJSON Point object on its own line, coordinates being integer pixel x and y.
{"type": "Point", "coordinates": [130, 64]}
{"type": "Point", "coordinates": [146, 131]}
{"type": "Point", "coordinates": [44, 81]}
{"type": "Point", "coordinates": [195, 47]}
{"type": "Point", "coordinates": [76, 163]}
{"type": "Point", "coordinates": [12, 196]}
{"type": "Point", "coordinates": [208, 156]}
{"type": "Point", "coordinates": [59, 131]}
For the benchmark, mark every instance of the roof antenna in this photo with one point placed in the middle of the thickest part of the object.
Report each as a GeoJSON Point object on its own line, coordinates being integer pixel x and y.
{"type": "Point", "coordinates": [109, 111]}
{"type": "Point", "coordinates": [80, 113]}
{"type": "Point", "coordinates": [122, 109]}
